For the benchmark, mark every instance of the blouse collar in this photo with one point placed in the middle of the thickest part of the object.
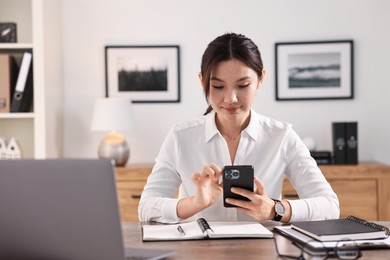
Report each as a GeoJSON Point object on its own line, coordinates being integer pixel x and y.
{"type": "Point", "coordinates": [211, 129]}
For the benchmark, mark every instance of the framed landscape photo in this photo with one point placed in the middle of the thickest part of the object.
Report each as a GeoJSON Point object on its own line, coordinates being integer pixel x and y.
{"type": "Point", "coordinates": [314, 70]}
{"type": "Point", "coordinates": [144, 74]}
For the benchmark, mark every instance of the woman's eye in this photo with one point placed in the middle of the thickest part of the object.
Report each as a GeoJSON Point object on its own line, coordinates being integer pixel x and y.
{"type": "Point", "coordinates": [244, 86]}
{"type": "Point", "coordinates": [217, 87]}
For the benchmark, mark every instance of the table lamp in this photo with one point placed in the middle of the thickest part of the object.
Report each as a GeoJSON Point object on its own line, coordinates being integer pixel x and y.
{"type": "Point", "coordinates": [113, 114]}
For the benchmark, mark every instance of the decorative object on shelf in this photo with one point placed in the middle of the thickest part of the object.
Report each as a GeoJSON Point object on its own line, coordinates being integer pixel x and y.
{"type": "Point", "coordinates": [144, 74]}
{"type": "Point", "coordinates": [7, 32]}
{"type": "Point", "coordinates": [322, 157]}
{"type": "Point", "coordinates": [345, 142]}
{"type": "Point", "coordinates": [314, 70]}
{"type": "Point", "coordinates": [13, 150]}
{"type": "Point", "coordinates": [113, 114]}
{"type": "Point", "coordinates": [310, 143]}
{"type": "Point", "coordinates": [3, 149]}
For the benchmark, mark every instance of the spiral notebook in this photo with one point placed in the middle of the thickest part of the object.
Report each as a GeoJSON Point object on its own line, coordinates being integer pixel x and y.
{"type": "Point", "coordinates": [299, 238]}
{"type": "Point", "coordinates": [336, 229]}
{"type": "Point", "coordinates": [201, 229]}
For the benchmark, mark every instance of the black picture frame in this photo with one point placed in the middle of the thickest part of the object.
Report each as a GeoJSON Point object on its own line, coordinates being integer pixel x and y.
{"type": "Point", "coordinates": [144, 74]}
{"type": "Point", "coordinates": [314, 70]}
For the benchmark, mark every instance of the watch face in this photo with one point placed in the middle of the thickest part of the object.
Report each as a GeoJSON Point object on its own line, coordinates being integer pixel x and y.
{"type": "Point", "coordinates": [279, 208]}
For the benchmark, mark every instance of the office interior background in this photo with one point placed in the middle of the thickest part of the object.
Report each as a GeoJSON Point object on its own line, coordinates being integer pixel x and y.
{"type": "Point", "coordinates": [90, 25]}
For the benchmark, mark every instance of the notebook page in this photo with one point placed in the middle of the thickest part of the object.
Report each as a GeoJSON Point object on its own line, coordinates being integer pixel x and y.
{"type": "Point", "coordinates": [170, 232]}
{"type": "Point", "coordinates": [238, 229]}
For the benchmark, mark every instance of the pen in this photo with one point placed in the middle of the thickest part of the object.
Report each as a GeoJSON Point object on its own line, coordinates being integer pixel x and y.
{"type": "Point", "coordinates": [181, 231]}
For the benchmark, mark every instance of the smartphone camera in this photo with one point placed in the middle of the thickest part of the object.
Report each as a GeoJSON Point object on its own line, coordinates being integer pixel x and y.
{"type": "Point", "coordinates": [232, 174]}
{"type": "Point", "coordinates": [240, 176]}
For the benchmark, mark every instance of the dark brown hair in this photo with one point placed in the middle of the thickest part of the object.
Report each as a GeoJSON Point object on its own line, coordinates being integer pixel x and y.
{"type": "Point", "coordinates": [226, 47]}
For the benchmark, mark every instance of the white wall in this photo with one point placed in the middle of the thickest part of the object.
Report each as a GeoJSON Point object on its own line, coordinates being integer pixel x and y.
{"type": "Point", "coordinates": [89, 25]}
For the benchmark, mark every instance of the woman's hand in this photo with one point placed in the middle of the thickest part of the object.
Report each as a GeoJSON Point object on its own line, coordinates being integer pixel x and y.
{"type": "Point", "coordinates": [260, 206]}
{"type": "Point", "coordinates": [208, 191]}
{"type": "Point", "coordinates": [208, 188]}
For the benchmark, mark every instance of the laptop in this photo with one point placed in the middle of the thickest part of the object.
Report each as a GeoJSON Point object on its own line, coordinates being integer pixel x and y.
{"type": "Point", "coordinates": [63, 209]}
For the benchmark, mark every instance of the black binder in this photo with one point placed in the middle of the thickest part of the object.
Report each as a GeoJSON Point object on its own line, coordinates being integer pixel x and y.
{"type": "Point", "coordinates": [339, 143]}
{"type": "Point", "coordinates": [23, 93]}
{"type": "Point", "coordinates": [352, 143]}
{"type": "Point", "coordinates": [345, 142]}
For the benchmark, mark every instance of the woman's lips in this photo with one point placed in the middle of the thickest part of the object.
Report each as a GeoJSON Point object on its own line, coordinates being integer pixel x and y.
{"type": "Point", "coordinates": [231, 110]}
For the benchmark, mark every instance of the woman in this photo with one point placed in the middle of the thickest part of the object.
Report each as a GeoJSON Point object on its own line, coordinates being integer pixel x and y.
{"type": "Point", "coordinates": [232, 133]}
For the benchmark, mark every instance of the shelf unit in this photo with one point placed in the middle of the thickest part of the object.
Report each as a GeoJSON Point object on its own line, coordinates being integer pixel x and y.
{"type": "Point", "coordinates": [363, 190]}
{"type": "Point", "coordinates": [39, 132]}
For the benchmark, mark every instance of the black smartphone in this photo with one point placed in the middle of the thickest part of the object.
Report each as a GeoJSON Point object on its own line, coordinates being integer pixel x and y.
{"type": "Point", "coordinates": [240, 176]}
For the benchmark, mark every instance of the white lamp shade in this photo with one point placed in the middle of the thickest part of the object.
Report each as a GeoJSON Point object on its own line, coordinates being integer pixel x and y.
{"type": "Point", "coordinates": [112, 114]}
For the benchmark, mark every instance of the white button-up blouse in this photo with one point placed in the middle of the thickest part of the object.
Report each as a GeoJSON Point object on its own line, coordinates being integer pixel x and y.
{"type": "Point", "coordinates": [272, 147]}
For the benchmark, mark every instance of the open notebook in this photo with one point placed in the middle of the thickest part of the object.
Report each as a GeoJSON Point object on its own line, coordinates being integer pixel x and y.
{"type": "Point", "coordinates": [62, 209]}
{"type": "Point", "coordinates": [201, 229]}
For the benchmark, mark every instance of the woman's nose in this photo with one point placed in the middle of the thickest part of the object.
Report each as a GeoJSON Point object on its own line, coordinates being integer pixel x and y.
{"type": "Point", "coordinates": [231, 97]}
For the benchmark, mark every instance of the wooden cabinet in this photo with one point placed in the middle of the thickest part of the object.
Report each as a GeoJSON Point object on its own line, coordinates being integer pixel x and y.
{"type": "Point", "coordinates": [130, 183]}
{"type": "Point", "coordinates": [363, 190]}
{"type": "Point", "coordinates": [38, 22]}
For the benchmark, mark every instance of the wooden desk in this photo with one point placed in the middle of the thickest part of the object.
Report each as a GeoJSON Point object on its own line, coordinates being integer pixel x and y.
{"type": "Point", "coordinates": [363, 190]}
{"type": "Point", "coordinates": [222, 248]}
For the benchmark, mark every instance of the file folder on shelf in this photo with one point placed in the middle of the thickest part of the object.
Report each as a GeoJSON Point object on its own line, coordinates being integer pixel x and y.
{"type": "Point", "coordinates": [5, 82]}
{"type": "Point", "coordinates": [23, 93]}
{"type": "Point", "coordinates": [345, 142]}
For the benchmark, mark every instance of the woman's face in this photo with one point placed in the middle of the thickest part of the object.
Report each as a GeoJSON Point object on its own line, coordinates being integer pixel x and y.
{"type": "Point", "coordinates": [233, 87]}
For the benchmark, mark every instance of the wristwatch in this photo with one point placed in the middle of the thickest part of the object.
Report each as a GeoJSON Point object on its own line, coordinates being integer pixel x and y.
{"type": "Point", "coordinates": [279, 210]}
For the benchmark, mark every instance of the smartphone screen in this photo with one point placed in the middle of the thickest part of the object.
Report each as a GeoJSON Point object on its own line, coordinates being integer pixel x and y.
{"type": "Point", "coordinates": [240, 176]}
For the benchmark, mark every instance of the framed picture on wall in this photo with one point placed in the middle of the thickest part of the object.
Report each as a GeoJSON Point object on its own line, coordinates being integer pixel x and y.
{"type": "Point", "coordinates": [144, 74]}
{"type": "Point", "coordinates": [314, 70]}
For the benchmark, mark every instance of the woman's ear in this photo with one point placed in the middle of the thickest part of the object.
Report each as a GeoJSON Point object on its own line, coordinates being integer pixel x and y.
{"type": "Point", "coordinates": [260, 83]}
{"type": "Point", "coordinates": [201, 81]}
